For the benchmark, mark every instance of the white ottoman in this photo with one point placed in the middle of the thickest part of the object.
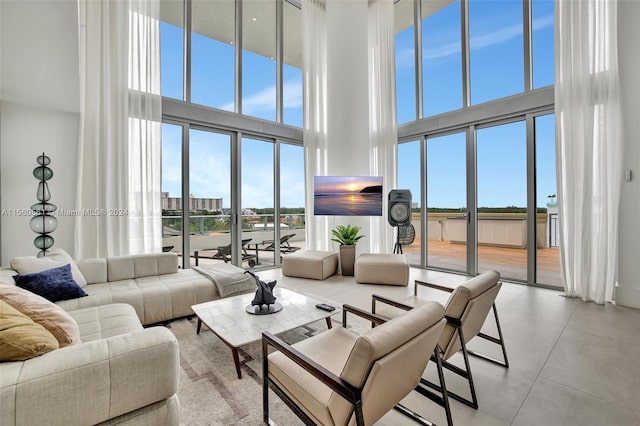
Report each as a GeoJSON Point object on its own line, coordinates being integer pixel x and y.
{"type": "Point", "coordinates": [313, 264]}
{"type": "Point", "coordinates": [390, 269]}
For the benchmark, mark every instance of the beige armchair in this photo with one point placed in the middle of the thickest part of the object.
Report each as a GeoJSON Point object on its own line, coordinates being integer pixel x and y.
{"type": "Point", "coordinates": [466, 311]}
{"type": "Point", "coordinates": [339, 377]}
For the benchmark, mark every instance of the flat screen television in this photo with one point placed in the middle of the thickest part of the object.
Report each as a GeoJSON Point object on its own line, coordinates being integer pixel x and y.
{"type": "Point", "coordinates": [347, 195]}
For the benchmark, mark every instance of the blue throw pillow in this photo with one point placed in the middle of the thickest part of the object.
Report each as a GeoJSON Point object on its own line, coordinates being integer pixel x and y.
{"type": "Point", "coordinates": [53, 284]}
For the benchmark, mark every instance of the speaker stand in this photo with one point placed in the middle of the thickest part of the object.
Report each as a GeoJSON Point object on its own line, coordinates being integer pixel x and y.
{"type": "Point", "coordinates": [397, 248]}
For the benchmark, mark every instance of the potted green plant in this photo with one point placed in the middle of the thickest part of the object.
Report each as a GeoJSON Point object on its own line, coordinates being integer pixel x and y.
{"type": "Point", "coordinates": [347, 236]}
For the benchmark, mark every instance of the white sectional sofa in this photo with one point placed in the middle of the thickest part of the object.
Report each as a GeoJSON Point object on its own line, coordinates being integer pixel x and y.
{"type": "Point", "coordinates": [119, 372]}
{"type": "Point", "coordinates": [151, 283]}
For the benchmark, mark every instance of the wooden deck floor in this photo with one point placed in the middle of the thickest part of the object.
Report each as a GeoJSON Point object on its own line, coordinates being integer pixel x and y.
{"type": "Point", "coordinates": [510, 262]}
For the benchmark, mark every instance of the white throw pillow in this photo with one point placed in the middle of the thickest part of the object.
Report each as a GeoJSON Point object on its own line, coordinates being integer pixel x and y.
{"type": "Point", "coordinates": [53, 259]}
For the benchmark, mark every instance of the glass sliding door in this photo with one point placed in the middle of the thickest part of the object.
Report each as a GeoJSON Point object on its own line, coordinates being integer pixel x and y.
{"type": "Point", "coordinates": [292, 218]}
{"type": "Point", "coordinates": [209, 202]}
{"type": "Point", "coordinates": [502, 199]}
{"type": "Point", "coordinates": [171, 198]}
{"type": "Point", "coordinates": [447, 202]}
{"type": "Point", "coordinates": [409, 178]}
{"type": "Point", "coordinates": [258, 220]}
{"type": "Point", "coordinates": [548, 223]}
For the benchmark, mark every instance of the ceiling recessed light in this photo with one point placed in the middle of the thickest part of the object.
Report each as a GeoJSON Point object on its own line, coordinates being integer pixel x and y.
{"type": "Point", "coordinates": [254, 19]}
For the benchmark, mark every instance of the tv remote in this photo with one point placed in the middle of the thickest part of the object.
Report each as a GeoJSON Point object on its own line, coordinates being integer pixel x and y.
{"type": "Point", "coordinates": [325, 307]}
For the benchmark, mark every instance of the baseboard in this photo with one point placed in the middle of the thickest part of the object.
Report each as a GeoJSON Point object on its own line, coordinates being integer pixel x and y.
{"type": "Point", "coordinates": [627, 296]}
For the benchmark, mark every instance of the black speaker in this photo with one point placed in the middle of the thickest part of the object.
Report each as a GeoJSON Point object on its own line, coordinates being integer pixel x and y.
{"type": "Point", "coordinates": [399, 207]}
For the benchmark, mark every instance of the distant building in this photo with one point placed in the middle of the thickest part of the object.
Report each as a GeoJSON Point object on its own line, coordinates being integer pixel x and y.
{"type": "Point", "coordinates": [195, 204]}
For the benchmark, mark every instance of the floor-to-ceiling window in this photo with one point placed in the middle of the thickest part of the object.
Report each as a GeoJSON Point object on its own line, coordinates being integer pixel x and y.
{"type": "Point", "coordinates": [213, 53]}
{"type": "Point", "coordinates": [495, 49]}
{"type": "Point", "coordinates": [209, 195]}
{"type": "Point", "coordinates": [258, 207]}
{"type": "Point", "coordinates": [548, 224]}
{"type": "Point", "coordinates": [409, 155]}
{"type": "Point", "coordinates": [171, 187]}
{"type": "Point", "coordinates": [291, 65]}
{"type": "Point", "coordinates": [228, 66]}
{"type": "Point", "coordinates": [442, 60]}
{"type": "Point", "coordinates": [447, 202]}
{"type": "Point", "coordinates": [502, 199]}
{"type": "Point", "coordinates": [292, 194]}
{"type": "Point", "coordinates": [483, 72]}
{"type": "Point", "coordinates": [259, 58]}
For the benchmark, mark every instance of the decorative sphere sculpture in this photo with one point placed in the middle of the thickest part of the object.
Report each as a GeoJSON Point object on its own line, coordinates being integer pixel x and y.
{"type": "Point", "coordinates": [43, 223]}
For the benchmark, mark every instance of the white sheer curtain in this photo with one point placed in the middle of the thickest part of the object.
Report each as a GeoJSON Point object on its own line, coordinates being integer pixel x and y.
{"type": "Point", "coordinates": [145, 128]}
{"type": "Point", "coordinates": [119, 147]}
{"type": "Point", "coordinates": [589, 146]}
{"type": "Point", "coordinates": [314, 28]}
{"type": "Point", "coordinates": [383, 128]}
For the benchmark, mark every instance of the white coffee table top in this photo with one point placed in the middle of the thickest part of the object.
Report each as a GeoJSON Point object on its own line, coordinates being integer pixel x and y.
{"type": "Point", "coordinates": [228, 319]}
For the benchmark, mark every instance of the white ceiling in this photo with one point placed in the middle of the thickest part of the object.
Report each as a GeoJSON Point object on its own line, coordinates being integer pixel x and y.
{"type": "Point", "coordinates": [215, 19]}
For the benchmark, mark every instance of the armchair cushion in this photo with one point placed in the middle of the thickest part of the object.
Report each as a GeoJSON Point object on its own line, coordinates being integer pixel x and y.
{"type": "Point", "coordinates": [51, 316]}
{"type": "Point", "coordinates": [384, 363]}
{"type": "Point", "coordinates": [330, 349]}
{"type": "Point", "coordinates": [481, 289]}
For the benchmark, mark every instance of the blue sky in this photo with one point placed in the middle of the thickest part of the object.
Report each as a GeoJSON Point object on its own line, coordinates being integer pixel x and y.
{"type": "Point", "coordinates": [496, 41]}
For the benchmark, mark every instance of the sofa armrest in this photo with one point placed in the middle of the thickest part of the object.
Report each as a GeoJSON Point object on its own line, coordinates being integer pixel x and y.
{"type": "Point", "coordinates": [91, 382]}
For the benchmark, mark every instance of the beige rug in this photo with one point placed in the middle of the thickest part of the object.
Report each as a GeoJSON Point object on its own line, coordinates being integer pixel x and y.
{"type": "Point", "coordinates": [210, 392]}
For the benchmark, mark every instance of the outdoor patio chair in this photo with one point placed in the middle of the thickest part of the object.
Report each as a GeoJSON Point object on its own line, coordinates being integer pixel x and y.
{"type": "Point", "coordinates": [285, 246]}
{"type": "Point", "coordinates": [466, 311]}
{"type": "Point", "coordinates": [224, 253]}
{"type": "Point", "coordinates": [339, 377]}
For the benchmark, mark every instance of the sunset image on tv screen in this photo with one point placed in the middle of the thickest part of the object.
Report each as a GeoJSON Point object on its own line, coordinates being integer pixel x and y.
{"type": "Point", "coordinates": [347, 195]}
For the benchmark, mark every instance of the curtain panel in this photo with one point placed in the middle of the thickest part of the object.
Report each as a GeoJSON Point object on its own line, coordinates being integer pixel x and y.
{"type": "Point", "coordinates": [589, 146]}
{"type": "Point", "coordinates": [119, 146]}
{"type": "Point", "coordinates": [314, 52]}
{"type": "Point", "coordinates": [383, 128]}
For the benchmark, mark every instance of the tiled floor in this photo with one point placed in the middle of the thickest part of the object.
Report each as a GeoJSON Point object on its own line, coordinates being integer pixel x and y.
{"type": "Point", "coordinates": [572, 363]}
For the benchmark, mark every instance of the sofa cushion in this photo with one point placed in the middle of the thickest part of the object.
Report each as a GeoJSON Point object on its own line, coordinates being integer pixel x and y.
{"type": "Point", "coordinates": [102, 322]}
{"type": "Point", "coordinates": [20, 337]}
{"type": "Point", "coordinates": [53, 284]}
{"type": "Point", "coordinates": [156, 298]}
{"type": "Point", "coordinates": [141, 265]}
{"type": "Point", "coordinates": [94, 270]}
{"type": "Point", "coordinates": [55, 258]}
{"type": "Point", "coordinates": [50, 316]}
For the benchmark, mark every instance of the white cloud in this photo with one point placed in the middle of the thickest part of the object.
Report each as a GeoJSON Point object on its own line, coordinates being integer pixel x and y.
{"type": "Point", "coordinates": [485, 40]}
{"type": "Point", "coordinates": [265, 99]}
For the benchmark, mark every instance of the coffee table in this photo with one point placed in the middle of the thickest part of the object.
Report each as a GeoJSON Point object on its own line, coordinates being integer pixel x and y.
{"type": "Point", "coordinates": [228, 320]}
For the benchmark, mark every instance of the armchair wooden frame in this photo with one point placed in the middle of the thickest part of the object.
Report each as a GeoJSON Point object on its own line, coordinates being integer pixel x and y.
{"type": "Point", "coordinates": [466, 372]}
{"type": "Point", "coordinates": [347, 391]}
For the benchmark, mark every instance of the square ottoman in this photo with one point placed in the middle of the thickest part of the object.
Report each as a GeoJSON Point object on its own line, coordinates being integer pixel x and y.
{"type": "Point", "coordinates": [314, 264]}
{"type": "Point", "coordinates": [390, 269]}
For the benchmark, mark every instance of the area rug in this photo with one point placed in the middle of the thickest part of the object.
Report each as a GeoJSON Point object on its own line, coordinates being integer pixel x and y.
{"type": "Point", "coordinates": [210, 392]}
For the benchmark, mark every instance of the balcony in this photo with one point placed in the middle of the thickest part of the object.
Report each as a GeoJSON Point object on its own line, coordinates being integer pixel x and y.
{"type": "Point", "coordinates": [502, 241]}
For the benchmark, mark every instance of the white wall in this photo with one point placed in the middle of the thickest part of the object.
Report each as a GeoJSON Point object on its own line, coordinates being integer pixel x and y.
{"type": "Point", "coordinates": [628, 290]}
{"type": "Point", "coordinates": [347, 98]}
{"type": "Point", "coordinates": [39, 111]}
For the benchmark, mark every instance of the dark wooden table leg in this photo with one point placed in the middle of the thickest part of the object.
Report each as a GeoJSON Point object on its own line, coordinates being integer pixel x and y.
{"type": "Point", "coordinates": [236, 361]}
{"type": "Point", "coordinates": [329, 323]}
{"type": "Point", "coordinates": [198, 326]}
